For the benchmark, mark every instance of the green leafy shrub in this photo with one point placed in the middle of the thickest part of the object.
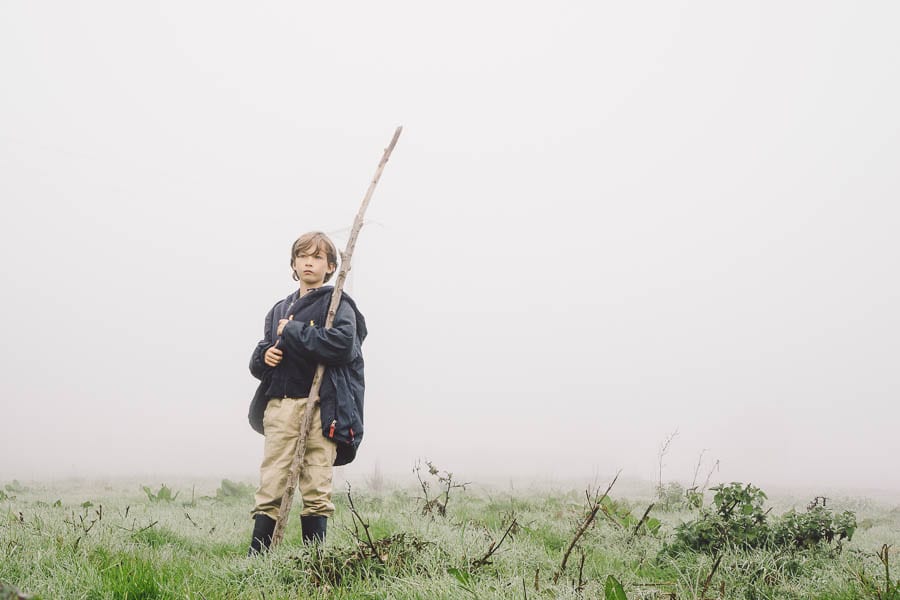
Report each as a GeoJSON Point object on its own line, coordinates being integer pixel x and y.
{"type": "Point", "coordinates": [812, 528]}
{"type": "Point", "coordinates": [737, 518]}
{"type": "Point", "coordinates": [674, 496]}
{"type": "Point", "coordinates": [693, 498]}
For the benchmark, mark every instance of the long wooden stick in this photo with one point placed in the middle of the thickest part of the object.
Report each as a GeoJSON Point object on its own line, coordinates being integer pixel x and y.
{"type": "Point", "coordinates": [297, 464]}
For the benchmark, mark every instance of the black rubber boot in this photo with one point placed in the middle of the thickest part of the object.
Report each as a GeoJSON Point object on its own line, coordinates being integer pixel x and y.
{"type": "Point", "coordinates": [262, 534]}
{"type": "Point", "coordinates": [314, 527]}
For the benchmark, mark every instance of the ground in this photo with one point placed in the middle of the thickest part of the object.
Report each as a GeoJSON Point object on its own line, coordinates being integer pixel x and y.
{"type": "Point", "coordinates": [117, 540]}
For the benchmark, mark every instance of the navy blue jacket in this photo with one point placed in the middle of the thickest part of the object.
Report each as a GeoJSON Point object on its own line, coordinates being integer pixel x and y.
{"type": "Point", "coordinates": [306, 343]}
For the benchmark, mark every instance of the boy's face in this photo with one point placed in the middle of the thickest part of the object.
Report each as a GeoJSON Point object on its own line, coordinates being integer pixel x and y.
{"type": "Point", "coordinates": [311, 265]}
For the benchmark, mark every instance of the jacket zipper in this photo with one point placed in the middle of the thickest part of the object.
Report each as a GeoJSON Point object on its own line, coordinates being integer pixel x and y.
{"type": "Point", "coordinates": [331, 430]}
{"type": "Point", "coordinates": [286, 312]}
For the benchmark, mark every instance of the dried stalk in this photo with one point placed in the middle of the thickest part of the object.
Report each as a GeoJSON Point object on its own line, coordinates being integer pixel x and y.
{"type": "Point", "coordinates": [365, 527]}
{"type": "Point", "coordinates": [710, 576]}
{"type": "Point", "coordinates": [297, 464]}
{"type": "Point", "coordinates": [663, 450]}
{"type": "Point", "coordinates": [641, 522]}
{"type": "Point", "coordinates": [697, 469]}
{"type": "Point", "coordinates": [588, 519]}
{"type": "Point", "coordinates": [485, 560]}
{"type": "Point", "coordinates": [580, 587]}
{"type": "Point", "coordinates": [709, 476]}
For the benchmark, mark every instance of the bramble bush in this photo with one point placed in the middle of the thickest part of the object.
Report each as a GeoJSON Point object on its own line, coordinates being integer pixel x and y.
{"type": "Point", "coordinates": [812, 528]}
{"type": "Point", "coordinates": [737, 519]}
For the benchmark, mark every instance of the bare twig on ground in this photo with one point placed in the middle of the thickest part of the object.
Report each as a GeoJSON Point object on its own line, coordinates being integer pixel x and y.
{"type": "Point", "coordinates": [364, 525]}
{"type": "Point", "coordinates": [710, 576]}
{"type": "Point", "coordinates": [146, 528]}
{"type": "Point", "coordinates": [486, 559]}
{"type": "Point", "coordinates": [580, 587]}
{"type": "Point", "coordinates": [445, 479]}
{"type": "Point", "coordinates": [585, 524]}
{"type": "Point", "coordinates": [641, 522]}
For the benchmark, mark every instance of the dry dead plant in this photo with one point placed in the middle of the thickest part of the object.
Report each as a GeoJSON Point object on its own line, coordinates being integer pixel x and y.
{"type": "Point", "coordinates": [595, 507]}
{"type": "Point", "coordinates": [445, 481]}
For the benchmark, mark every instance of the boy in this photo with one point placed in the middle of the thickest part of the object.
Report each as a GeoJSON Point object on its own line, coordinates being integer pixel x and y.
{"type": "Point", "coordinates": [295, 341]}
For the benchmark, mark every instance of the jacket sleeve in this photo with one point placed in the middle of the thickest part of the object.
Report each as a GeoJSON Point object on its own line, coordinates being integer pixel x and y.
{"type": "Point", "coordinates": [331, 347]}
{"type": "Point", "coordinates": [258, 367]}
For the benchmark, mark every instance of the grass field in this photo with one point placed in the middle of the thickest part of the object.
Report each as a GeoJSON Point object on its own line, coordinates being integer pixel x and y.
{"type": "Point", "coordinates": [116, 540]}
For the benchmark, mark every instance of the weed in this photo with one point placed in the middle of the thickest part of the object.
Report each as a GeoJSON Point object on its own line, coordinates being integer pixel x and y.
{"type": "Point", "coordinates": [392, 550]}
{"type": "Point", "coordinates": [737, 519]}
{"type": "Point", "coordinates": [230, 490]}
{"type": "Point", "coordinates": [437, 504]}
{"type": "Point", "coordinates": [613, 590]}
{"type": "Point", "coordinates": [812, 528]}
{"type": "Point", "coordinates": [164, 494]}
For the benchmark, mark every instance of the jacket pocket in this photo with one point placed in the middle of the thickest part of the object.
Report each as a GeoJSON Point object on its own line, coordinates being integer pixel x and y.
{"type": "Point", "coordinates": [340, 420]}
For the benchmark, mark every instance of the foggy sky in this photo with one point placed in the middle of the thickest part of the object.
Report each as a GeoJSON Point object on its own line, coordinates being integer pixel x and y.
{"type": "Point", "coordinates": [603, 221]}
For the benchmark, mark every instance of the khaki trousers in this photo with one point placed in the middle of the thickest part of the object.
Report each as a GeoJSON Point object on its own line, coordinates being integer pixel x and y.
{"type": "Point", "coordinates": [282, 421]}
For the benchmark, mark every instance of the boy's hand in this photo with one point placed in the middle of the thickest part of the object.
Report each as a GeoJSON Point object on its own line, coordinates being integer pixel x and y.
{"type": "Point", "coordinates": [273, 356]}
{"type": "Point", "coordinates": [284, 322]}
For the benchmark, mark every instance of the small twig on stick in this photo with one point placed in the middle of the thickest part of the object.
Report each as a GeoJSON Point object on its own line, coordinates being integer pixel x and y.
{"type": "Point", "coordinates": [588, 519]}
{"type": "Point", "coordinates": [610, 518]}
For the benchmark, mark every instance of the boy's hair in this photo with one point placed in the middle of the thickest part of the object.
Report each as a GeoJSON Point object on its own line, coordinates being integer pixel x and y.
{"type": "Point", "coordinates": [318, 241]}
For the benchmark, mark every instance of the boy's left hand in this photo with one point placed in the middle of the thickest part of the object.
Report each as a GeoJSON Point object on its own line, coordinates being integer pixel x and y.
{"type": "Point", "coordinates": [284, 322]}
